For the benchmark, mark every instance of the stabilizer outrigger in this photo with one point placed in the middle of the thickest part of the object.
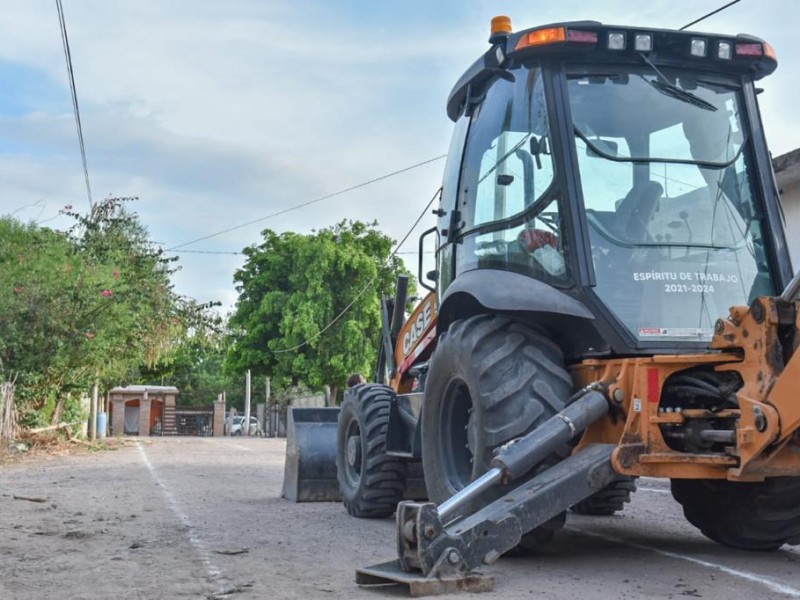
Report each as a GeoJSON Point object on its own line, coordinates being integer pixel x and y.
{"type": "Point", "coordinates": [440, 547]}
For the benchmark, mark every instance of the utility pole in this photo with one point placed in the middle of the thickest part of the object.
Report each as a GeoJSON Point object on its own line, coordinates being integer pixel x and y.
{"type": "Point", "coordinates": [93, 414]}
{"type": "Point", "coordinates": [246, 424]}
{"type": "Point", "coordinates": [267, 408]}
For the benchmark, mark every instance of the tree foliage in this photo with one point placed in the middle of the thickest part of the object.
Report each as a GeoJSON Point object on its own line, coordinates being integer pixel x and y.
{"type": "Point", "coordinates": [90, 304]}
{"type": "Point", "coordinates": [293, 286]}
{"type": "Point", "coordinates": [196, 368]}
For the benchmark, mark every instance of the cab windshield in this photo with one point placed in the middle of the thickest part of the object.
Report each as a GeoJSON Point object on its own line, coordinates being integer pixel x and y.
{"type": "Point", "coordinates": [676, 233]}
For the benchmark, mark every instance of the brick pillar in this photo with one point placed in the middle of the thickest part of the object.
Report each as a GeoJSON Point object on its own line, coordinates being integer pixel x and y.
{"type": "Point", "coordinates": [144, 416]}
{"type": "Point", "coordinates": [117, 416]}
{"type": "Point", "coordinates": [219, 418]}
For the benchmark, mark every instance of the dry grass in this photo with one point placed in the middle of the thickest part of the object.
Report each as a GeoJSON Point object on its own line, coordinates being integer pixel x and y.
{"type": "Point", "coordinates": [57, 443]}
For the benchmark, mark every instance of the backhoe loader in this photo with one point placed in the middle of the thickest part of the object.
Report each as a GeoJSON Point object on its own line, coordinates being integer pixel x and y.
{"type": "Point", "coordinates": [613, 298]}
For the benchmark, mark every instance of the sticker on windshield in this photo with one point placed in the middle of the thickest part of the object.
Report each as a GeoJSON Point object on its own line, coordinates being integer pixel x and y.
{"type": "Point", "coordinates": [685, 276]}
{"type": "Point", "coordinates": [681, 332]}
{"type": "Point", "coordinates": [686, 282]}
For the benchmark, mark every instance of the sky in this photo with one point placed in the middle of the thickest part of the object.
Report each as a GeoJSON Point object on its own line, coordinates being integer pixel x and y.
{"type": "Point", "coordinates": [217, 113]}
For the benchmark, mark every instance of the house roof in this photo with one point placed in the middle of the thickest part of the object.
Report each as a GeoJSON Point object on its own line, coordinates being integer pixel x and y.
{"type": "Point", "coordinates": [787, 168]}
{"type": "Point", "coordinates": [150, 389]}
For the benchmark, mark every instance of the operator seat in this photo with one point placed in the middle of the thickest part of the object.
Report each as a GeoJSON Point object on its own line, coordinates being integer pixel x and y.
{"type": "Point", "coordinates": [636, 209]}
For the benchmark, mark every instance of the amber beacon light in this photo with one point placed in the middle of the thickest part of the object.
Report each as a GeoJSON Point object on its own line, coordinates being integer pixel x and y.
{"type": "Point", "coordinates": [501, 25]}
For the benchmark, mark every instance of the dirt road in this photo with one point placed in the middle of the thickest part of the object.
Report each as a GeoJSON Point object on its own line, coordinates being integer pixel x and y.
{"type": "Point", "coordinates": [201, 518]}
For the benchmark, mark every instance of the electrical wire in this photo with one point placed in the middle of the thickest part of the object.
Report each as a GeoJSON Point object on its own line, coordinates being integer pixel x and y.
{"type": "Point", "coordinates": [207, 252]}
{"type": "Point", "coordinates": [369, 284]}
{"type": "Point", "coordinates": [712, 13]}
{"type": "Point", "coordinates": [241, 253]}
{"type": "Point", "coordinates": [309, 202]}
{"type": "Point", "coordinates": [76, 110]}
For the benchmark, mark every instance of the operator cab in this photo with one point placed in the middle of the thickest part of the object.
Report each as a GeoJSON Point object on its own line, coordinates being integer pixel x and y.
{"type": "Point", "coordinates": [625, 169]}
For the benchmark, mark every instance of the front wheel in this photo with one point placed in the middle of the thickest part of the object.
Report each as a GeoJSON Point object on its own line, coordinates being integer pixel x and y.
{"type": "Point", "coordinates": [750, 516]}
{"type": "Point", "coordinates": [371, 482]}
{"type": "Point", "coordinates": [491, 380]}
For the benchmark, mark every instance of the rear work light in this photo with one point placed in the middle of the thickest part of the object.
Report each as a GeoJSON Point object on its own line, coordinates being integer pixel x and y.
{"type": "Point", "coordinates": [749, 50]}
{"type": "Point", "coordinates": [542, 37]}
{"type": "Point", "coordinates": [643, 42]}
{"type": "Point", "coordinates": [724, 51]}
{"type": "Point", "coordinates": [576, 35]}
{"type": "Point", "coordinates": [616, 40]}
{"type": "Point", "coordinates": [698, 47]}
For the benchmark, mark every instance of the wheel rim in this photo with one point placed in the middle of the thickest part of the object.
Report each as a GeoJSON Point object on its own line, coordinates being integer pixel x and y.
{"type": "Point", "coordinates": [353, 453]}
{"type": "Point", "coordinates": [455, 426]}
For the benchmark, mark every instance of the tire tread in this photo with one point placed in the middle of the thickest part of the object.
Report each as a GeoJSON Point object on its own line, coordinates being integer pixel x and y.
{"type": "Point", "coordinates": [383, 478]}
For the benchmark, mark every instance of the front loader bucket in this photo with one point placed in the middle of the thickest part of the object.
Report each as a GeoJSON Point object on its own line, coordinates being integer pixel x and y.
{"type": "Point", "coordinates": [310, 472]}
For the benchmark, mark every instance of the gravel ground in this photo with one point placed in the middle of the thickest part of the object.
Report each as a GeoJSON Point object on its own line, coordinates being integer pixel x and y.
{"type": "Point", "coordinates": [202, 518]}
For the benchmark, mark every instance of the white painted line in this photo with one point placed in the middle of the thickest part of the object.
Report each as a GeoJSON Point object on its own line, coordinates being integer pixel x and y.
{"type": "Point", "coordinates": [213, 441]}
{"type": "Point", "coordinates": [214, 574]}
{"type": "Point", "coordinates": [239, 447]}
{"type": "Point", "coordinates": [768, 582]}
{"type": "Point", "coordinates": [640, 488]}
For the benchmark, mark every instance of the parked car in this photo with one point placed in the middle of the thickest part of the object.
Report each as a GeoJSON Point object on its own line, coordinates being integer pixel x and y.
{"type": "Point", "coordinates": [236, 426]}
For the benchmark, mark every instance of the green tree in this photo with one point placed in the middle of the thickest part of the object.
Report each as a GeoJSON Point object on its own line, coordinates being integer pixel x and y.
{"type": "Point", "coordinates": [291, 289]}
{"type": "Point", "coordinates": [88, 305]}
{"type": "Point", "coordinates": [196, 368]}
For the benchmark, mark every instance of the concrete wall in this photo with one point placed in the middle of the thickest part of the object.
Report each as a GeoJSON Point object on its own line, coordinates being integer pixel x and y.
{"type": "Point", "coordinates": [309, 401]}
{"type": "Point", "coordinates": [790, 198]}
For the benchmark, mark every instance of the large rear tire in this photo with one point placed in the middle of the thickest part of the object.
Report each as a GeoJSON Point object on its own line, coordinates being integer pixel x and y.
{"type": "Point", "coordinates": [491, 380]}
{"type": "Point", "coordinates": [611, 499]}
{"type": "Point", "coordinates": [371, 483]}
{"type": "Point", "coordinates": [750, 516]}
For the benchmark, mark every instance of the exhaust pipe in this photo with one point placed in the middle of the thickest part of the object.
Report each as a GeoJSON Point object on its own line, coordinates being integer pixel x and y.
{"type": "Point", "coordinates": [399, 309]}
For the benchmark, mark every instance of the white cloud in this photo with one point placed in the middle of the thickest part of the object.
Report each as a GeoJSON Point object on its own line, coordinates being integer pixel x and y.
{"type": "Point", "coordinates": [216, 113]}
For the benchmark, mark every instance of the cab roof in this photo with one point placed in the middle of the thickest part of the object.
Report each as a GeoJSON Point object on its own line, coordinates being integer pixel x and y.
{"type": "Point", "coordinates": [591, 42]}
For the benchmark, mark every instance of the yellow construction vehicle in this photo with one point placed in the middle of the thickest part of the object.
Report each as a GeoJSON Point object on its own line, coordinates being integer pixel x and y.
{"type": "Point", "coordinates": [614, 299]}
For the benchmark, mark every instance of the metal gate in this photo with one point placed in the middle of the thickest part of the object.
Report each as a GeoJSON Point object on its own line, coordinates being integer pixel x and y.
{"type": "Point", "coordinates": [187, 420]}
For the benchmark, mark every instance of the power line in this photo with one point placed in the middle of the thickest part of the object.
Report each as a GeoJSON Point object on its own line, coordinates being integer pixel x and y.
{"type": "Point", "coordinates": [241, 253]}
{"type": "Point", "coordinates": [68, 57]}
{"type": "Point", "coordinates": [713, 12]}
{"type": "Point", "coordinates": [367, 286]}
{"type": "Point", "coordinates": [207, 252]}
{"type": "Point", "coordinates": [303, 204]}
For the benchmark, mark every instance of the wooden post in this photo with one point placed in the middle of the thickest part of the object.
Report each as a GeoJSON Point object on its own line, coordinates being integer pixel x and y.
{"type": "Point", "coordinates": [246, 424]}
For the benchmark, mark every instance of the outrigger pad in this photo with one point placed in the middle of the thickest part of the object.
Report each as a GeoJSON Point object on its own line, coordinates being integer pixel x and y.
{"type": "Point", "coordinates": [310, 471]}
{"type": "Point", "coordinates": [391, 572]}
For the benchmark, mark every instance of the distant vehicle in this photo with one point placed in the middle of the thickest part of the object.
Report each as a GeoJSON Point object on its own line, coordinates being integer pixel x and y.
{"type": "Point", "coordinates": [236, 427]}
